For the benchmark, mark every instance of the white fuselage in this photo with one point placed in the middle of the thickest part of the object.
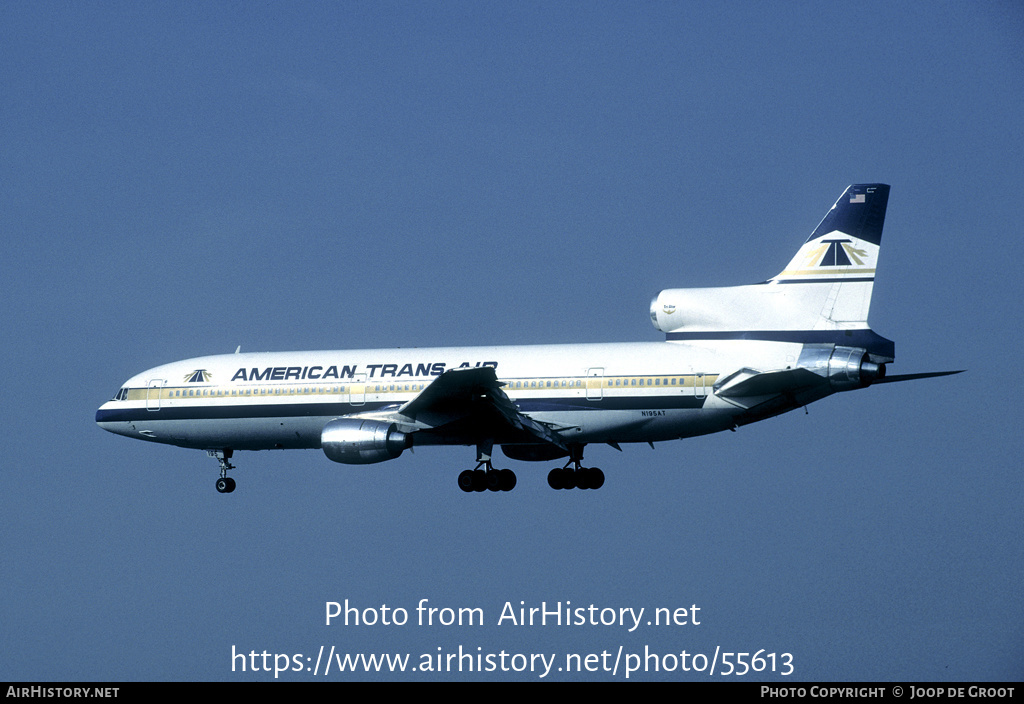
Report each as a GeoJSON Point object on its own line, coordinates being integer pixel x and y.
{"type": "Point", "coordinates": [615, 392]}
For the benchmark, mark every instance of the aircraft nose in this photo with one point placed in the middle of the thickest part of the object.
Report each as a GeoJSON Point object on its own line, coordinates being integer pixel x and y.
{"type": "Point", "coordinates": [107, 418]}
{"type": "Point", "coordinates": [104, 417]}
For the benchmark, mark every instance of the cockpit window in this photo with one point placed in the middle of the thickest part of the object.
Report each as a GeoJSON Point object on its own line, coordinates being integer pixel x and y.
{"type": "Point", "coordinates": [121, 395]}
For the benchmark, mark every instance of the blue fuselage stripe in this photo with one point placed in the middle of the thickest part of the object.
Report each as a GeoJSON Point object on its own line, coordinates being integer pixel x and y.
{"type": "Point", "coordinates": [307, 410]}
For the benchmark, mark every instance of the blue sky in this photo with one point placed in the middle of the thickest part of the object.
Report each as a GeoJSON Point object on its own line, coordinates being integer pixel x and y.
{"type": "Point", "coordinates": [181, 179]}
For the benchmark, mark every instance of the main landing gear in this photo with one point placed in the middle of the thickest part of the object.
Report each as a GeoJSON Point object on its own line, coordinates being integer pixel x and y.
{"type": "Point", "coordinates": [572, 476]}
{"type": "Point", "coordinates": [485, 477]}
{"type": "Point", "coordinates": [225, 484]}
{"type": "Point", "coordinates": [575, 477]}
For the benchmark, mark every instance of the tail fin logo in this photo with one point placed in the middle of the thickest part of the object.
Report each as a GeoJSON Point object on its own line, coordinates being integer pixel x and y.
{"type": "Point", "coordinates": [836, 253]}
{"type": "Point", "coordinates": [198, 377]}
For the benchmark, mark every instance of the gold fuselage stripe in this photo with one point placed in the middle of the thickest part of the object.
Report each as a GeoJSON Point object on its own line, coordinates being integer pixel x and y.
{"type": "Point", "coordinates": [511, 386]}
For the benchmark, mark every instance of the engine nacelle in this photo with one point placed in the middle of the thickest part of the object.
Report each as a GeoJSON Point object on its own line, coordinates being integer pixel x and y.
{"type": "Point", "coordinates": [357, 441]}
{"type": "Point", "coordinates": [845, 367]}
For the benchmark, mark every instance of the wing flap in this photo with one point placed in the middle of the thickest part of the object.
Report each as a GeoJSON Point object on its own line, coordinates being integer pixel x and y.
{"type": "Point", "coordinates": [460, 393]}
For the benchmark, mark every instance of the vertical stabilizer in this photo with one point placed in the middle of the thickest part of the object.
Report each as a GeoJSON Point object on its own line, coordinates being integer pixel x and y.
{"type": "Point", "coordinates": [837, 263]}
{"type": "Point", "coordinates": [844, 246]}
{"type": "Point", "coordinates": [822, 296]}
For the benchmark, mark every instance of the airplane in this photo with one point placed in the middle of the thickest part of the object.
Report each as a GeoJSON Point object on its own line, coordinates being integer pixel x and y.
{"type": "Point", "coordinates": [731, 356]}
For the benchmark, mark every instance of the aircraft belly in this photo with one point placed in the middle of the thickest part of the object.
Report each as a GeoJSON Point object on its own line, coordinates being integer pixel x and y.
{"type": "Point", "coordinates": [653, 425]}
{"type": "Point", "coordinates": [234, 433]}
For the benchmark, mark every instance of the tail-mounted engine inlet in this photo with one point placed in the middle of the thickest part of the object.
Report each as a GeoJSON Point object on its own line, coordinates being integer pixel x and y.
{"type": "Point", "coordinates": [845, 367]}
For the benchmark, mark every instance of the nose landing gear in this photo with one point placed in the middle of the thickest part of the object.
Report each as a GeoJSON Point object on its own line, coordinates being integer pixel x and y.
{"type": "Point", "coordinates": [225, 484]}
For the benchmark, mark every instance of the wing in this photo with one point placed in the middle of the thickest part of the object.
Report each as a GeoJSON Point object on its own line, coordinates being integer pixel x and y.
{"type": "Point", "coordinates": [751, 384]}
{"type": "Point", "coordinates": [920, 375]}
{"type": "Point", "coordinates": [469, 404]}
{"type": "Point", "coordinates": [764, 394]}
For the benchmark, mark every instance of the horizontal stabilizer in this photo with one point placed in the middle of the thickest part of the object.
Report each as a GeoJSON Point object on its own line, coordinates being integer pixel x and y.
{"type": "Point", "coordinates": [910, 377]}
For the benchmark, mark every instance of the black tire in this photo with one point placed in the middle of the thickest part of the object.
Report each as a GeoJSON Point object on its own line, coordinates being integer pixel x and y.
{"type": "Point", "coordinates": [508, 480]}
{"type": "Point", "coordinates": [583, 478]}
{"type": "Point", "coordinates": [555, 478]}
{"type": "Point", "coordinates": [569, 478]}
{"type": "Point", "coordinates": [494, 479]}
{"type": "Point", "coordinates": [466, 480]}
{"type": "Point", "coordinates": [479, 480]}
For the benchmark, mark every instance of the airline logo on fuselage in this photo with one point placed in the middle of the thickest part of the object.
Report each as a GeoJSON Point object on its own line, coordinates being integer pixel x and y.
{"type": "Point", "coordinates": [198, 376]}
{"type": "Point", "coordinates": [339, 372]}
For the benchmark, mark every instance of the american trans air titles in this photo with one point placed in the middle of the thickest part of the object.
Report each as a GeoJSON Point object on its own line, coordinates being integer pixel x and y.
{"type": "Point", "coordinates": [373, 371]}
{"type": "Point", "coordinates": [731, 356]}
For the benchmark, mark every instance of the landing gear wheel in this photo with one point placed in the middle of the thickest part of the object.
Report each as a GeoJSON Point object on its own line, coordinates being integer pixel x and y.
{"type": "Point", "coordinates": [596, 478]}
{"type": "Point", "coordinates": [493, 479]}
{"type": "Point", "coordinates": [555, 478]}
{"type": "Point", "coordinates": [585, 478]}
{"type": "Point", "coordinates": [466, 480]}
{"type": "Point", "coordinates": [479, 480]}
{"type": "Point", "coordinates": [570, 478]}
{"type": "Point", "coordinates": [508, 479]}
{"type": "Point", "coordinates": [225, 485]}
